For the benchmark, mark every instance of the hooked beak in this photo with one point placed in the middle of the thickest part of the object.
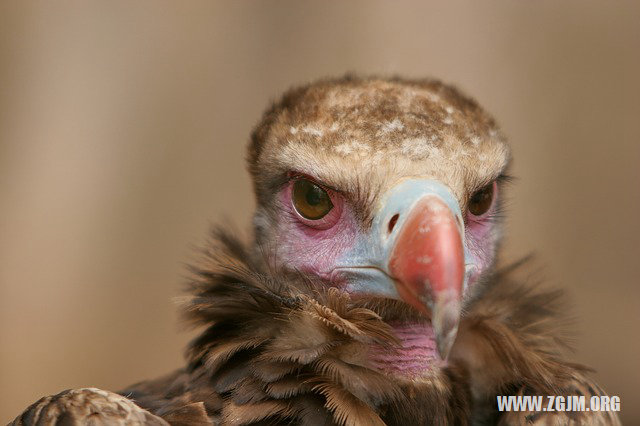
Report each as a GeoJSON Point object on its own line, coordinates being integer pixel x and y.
{"type": "Point", "coordinates": [415, 252]}
{"type": "Point", "coordinates": [427, 264]}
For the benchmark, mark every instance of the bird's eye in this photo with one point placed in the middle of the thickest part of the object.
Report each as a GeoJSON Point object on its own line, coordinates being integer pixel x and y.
{"type": "Point", "coordinates": [481, 200]}
{"type": "Point", "coordinates": [310, 200]}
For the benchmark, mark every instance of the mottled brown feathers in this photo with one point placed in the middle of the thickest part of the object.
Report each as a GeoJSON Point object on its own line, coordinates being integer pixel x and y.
{"type": "Point", "coordinates": [389, 126]}
{"type": "Point", "coordinates": [86, 407]}
{"type": "Point", "coordinates": [361, 107]}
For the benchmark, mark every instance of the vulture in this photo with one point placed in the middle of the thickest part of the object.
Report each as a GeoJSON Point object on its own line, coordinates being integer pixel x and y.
{"type": "Point", "coordinates": [369, 291]}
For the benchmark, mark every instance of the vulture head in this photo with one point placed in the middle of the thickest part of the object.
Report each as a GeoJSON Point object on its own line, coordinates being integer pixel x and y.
{"type": "Point", "coordinates": [369, 296]}
{"type": "Point", "coordinates": [388, 189]}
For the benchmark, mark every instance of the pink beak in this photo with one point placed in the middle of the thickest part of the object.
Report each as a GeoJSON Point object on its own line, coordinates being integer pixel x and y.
{"type": "Point", "coordinates": [427, 262]}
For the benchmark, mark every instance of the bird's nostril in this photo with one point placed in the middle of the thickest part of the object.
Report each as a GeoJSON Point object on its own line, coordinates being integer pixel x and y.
{"type": "Point", "coordinates": [393, 221]}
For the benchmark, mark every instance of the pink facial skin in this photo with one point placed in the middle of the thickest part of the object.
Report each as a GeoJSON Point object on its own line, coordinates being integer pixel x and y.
{"type": "Point", "coordinates": [314, 246]}
{"type": "Point", "coordinates": [317, 246]}
{"type": "Point", "coordinates": [481, 238]}
{"type": "Point", "coordinates": [417, 351]}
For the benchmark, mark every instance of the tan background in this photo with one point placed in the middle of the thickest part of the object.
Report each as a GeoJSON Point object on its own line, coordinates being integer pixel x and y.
{"type": "Point", "coordinates": [122, 133]}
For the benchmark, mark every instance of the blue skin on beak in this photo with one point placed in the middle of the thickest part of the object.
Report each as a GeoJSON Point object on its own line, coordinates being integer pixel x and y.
{"type": "Point", "coordinates": [366, 267]}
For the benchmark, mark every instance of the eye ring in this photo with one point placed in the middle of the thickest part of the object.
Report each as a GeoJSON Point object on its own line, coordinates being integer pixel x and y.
{"type": "Point", "coordinates": [482, 200]}
{"type": "Point", "coordinates": [311, 201]}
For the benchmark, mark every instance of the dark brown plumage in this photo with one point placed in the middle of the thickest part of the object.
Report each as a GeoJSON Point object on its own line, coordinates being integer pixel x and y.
{"type": "Point", "coordinates": [280, 346]}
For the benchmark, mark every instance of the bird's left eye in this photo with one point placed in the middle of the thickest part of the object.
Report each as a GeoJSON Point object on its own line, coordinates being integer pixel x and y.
{"type": "Point", "coordinates": [481, 200]}
{"type": "Point", "coordinates": [310, 200]}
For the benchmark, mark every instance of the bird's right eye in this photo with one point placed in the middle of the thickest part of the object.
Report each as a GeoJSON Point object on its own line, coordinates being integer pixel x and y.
{"type": "Point", "coordinates": [311, 201]}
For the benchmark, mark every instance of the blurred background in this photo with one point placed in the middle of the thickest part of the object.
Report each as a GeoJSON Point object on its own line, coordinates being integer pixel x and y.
{"type": "Point", "coordinates": [122, 134]}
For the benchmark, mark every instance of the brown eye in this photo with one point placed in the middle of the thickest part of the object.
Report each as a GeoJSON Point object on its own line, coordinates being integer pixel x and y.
{"type": "Point", "coordinates": [310, 200]}
{"type": "Point", "coordinates": [481, 200]}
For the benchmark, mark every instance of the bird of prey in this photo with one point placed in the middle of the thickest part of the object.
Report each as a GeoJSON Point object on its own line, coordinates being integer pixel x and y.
{"type": "Point", "coordinates": [369, 292]}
